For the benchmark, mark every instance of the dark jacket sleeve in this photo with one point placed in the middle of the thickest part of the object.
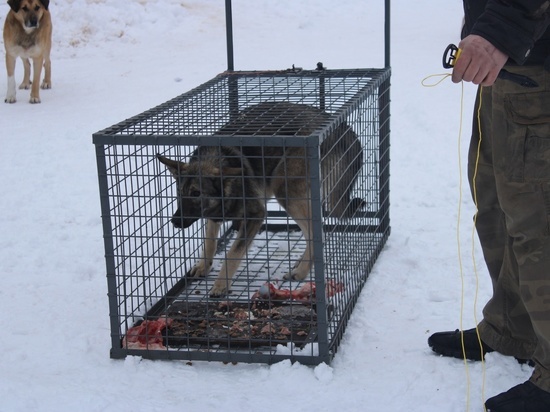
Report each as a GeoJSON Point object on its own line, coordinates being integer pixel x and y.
{"type": "Point", "coordinates": [513, 26]}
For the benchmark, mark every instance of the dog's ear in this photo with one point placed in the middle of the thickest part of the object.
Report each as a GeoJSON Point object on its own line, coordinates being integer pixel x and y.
{"type": "Point", "coordinates": [15, 5]}
{"type": "Point", "coordinates": [45, 3]}
{"type": "Point", "coordinates": [176, 168]}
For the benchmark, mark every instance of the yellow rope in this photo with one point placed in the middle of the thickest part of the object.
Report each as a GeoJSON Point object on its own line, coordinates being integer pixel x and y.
{"type": "Point", "coordinates": [426, 82]}
{"type": "Point", "coordinates": [474, 190]}
{"type": "Point", "coordinates": [459, 250]}
{"type": "Point", "coordinates": [442, 77]}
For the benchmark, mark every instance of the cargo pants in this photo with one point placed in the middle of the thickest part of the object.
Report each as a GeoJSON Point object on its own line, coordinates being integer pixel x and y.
{"type": "Point", "coordinates": [511, 185]}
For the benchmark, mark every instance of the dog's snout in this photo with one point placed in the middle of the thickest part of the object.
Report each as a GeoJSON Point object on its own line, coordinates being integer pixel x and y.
{"type": "Point", "coordinates": [181, 221]}
{"type": "Point", "coordinates": [177, 221]}
{"type": "Point", "coordinates": [32, 22]}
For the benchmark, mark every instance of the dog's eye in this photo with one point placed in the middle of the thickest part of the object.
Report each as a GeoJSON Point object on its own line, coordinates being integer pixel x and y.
{"type": "Point", "coordinates": [36, 8]}
{"type": "Point", "coordinates": [195, 193]}
{"type": "Point", "coordinates": [25, 8]}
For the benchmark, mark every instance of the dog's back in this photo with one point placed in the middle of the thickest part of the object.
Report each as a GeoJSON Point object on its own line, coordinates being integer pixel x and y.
{"type": "Point", "coordinates": [341, 153]}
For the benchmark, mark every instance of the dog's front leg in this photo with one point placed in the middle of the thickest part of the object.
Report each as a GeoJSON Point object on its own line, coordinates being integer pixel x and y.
{"type": "Point", "coordinates": [10, 68]}
{"type": "Point", "coordinates": [26, 83]}
{"type": "Point", "coordinates": [202, 267]}
{"type": "Point", "coordinates": [35, 86]}
{"type": "Point", "coordinates": [247, 231]}
{"type": "Point", "coordinates": [47, 82]}
{"type": "Point", "coordinates": [300, 212]}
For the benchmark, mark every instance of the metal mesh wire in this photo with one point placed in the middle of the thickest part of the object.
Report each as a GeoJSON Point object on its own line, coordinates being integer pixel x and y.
{"type": "Point", "coordinates": [157, 308]}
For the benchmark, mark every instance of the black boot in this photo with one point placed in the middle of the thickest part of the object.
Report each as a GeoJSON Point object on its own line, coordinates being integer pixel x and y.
{"type": "Point", "coordinates": [450, 344]}
{"type": "Point", "coordinates": [526, 397]}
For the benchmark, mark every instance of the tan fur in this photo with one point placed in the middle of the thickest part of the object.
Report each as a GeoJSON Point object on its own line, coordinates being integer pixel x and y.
{"type": "Point", "coordinates": [28, 35]}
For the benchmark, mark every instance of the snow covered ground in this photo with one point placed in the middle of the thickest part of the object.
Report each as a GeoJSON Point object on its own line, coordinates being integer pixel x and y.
{"type": "Point", "coordinates": [114, 59]}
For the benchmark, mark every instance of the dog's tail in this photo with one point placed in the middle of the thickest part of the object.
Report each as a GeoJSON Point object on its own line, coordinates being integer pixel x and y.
{"type": "Point", "coordinates": [346, 208]}
{"type": "Point", "coordinates": [342, 166]}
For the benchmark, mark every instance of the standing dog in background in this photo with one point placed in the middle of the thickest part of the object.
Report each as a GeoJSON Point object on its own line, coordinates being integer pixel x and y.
{"type": "Point", "coordinates": [221, 183]}
{"type": "Point", "coordinates": [28, 35]}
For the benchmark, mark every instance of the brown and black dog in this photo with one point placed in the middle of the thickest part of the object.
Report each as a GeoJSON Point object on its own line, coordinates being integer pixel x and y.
{"type": "Point", "coordinates": [28, 35]}
{"type": "Point", "coordinates": [222, 183]}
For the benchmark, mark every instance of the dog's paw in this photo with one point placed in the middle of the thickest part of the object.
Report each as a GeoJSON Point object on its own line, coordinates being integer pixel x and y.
{"type": "Point", "coordinates": [201, 269]}
{"type": "Point", "coordinates": [25, 86]}
{"type": "Point", "coordinates": [296, 274]}
{"type": "Point", "coordinates": [46, 85]}
{"type": "Point", "coordinates": [287, 276]}
{"type": "Point", "coordinates": [34, 100]}
{"type": "Point", "coordinates": [10, 99]}
{"type": "Point", "coordinates": [219, 289]}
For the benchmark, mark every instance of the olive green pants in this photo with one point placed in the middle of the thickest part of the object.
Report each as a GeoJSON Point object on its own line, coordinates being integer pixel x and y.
{"type": "Point", "coordinates": [511, 183]}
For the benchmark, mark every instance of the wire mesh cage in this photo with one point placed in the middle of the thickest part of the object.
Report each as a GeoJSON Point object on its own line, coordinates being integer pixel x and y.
{"type": "Point", "coordinates": [241, 219]}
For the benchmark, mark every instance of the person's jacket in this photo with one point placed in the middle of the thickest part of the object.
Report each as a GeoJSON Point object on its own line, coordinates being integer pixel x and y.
{"type": "Point", "coordinates": [519, 28]}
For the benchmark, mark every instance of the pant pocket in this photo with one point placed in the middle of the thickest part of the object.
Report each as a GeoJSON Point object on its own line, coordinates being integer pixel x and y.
{"type": "Point", "coordinates": [530, 117]}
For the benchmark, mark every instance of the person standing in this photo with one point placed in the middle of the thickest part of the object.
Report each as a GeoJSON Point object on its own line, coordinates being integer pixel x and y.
{"type": "Point", "coordinates": [505, 49]}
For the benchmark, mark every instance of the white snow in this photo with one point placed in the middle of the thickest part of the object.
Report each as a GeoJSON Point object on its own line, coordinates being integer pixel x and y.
{"type": "Point", "coordinates": [114, 59]}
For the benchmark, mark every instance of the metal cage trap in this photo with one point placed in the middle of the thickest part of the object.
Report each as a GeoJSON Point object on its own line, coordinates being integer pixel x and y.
{"type": "Point", "coordinates": [280, 180]}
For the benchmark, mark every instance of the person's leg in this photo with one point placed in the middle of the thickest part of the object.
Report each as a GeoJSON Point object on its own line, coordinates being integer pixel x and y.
{"type": "Point", "coordinates": [485, 163]}
{"type": "Point", "coordinates": [518, 322]}
{"type": "Point", "coordinates": [512, 188]}
{"type": "Point", "coordinates": [506, 326]}
{"type": "Point", "coordinates": [490, 226]}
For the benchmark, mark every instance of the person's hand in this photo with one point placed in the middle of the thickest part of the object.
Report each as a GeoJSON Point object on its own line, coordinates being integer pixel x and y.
{"type": "Point", "coordinates": [479, 62]}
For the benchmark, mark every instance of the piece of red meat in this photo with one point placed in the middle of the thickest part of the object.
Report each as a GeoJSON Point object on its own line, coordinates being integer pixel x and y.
{"type": "Point", "coordinates": [302, 294]}
{"type": "Point", "coordinates": [147, 335]}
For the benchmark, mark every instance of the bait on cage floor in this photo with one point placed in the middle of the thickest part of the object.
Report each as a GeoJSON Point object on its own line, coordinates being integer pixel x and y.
{"type": "Point", "coordinates": [328, 133]}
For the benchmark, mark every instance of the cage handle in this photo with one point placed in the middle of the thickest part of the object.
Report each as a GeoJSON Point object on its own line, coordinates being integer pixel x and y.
{"type": "Point", "coordinates": [229, 34]}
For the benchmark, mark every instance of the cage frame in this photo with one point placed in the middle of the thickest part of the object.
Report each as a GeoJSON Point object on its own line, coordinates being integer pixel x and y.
{"type": "Point", "coordinates": [327, 349]}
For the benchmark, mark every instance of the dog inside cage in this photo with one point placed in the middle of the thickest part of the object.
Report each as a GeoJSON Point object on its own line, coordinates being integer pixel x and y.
{"type": "Point", "coordinates": [220, 183]}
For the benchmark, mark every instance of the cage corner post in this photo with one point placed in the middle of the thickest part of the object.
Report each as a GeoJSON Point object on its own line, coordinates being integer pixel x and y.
{"type": "Point", "coordinates": [233, 87]}
{"type": "Point", "coordinates": [384, 121]}
{"type": "Point", "coordinates": [319, 278]}
{"type": "Point", "coordinates": [116, 351]}
{"type": "Point", "coordinates": [229, 35]}
{"type": "Point", "coordinates": [387, 34]}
